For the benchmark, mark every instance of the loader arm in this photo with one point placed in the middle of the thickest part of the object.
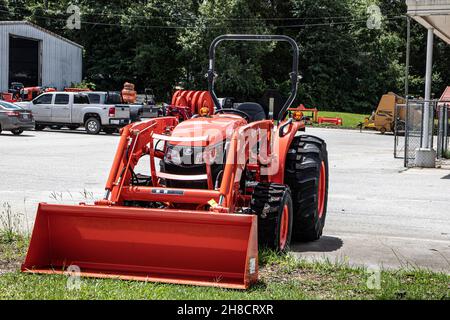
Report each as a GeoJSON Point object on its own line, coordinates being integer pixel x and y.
{"type": "Point", "coordinates": [135, 141]}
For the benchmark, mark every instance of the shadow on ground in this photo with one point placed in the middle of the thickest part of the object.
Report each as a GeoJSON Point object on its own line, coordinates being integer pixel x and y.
{"type": "Point", "coordinates": [23, 135]}
{"type": "Point", "coordinates": [324, 244]}
{"type": "Point", "coordinates": [67, 131]}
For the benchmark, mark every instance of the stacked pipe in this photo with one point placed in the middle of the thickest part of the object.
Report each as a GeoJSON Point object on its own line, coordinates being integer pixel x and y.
{"type": "Point", "coordinates": [129, 95]}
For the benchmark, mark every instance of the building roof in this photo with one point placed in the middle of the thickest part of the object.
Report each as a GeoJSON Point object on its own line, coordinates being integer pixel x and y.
{"type": "Point", "coordinates": [446, 95]}
{"type": "Point", "coordinates": [27, 23]}
{"type": "Point", "coordinates": [432, 14]}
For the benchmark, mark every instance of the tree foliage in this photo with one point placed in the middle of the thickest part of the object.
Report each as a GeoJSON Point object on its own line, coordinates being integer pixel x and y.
{"type": "Point", "coordinates": [164, 44]}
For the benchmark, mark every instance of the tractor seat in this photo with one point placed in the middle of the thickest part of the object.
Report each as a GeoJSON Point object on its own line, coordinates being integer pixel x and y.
{"type": "Point", "coordinates": [254, 111]}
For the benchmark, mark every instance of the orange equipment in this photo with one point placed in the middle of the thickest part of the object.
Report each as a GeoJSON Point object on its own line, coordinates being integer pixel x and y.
{"type": "Point", "coordinates": [224, 184]}
{"type": "Point", "coordinates": [7, 96]}
{"type": "Point", "coordinates": [335, 121]}
{"type": "Point", "coordinates": [311, 113]}
{"type": "Point", "coordinates": [129, 95]}
{"type": "Point", "coordinates": [29, 93]}
{"type": "Point", "coordinates": [186, 103]}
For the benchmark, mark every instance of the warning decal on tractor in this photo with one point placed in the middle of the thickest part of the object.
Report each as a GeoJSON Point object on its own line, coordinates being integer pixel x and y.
{"type": "Point", "coordinates": [165, 191]}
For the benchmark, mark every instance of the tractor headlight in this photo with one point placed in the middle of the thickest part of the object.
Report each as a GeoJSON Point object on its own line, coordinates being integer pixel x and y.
{"type": "Point", "coordinates": [173, 155]}
{"type": "Point", "coordinates": [187, 155]}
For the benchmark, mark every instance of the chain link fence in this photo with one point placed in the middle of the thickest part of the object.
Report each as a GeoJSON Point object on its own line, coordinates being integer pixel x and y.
{"type": "Point", "coordinates": [419, 132]}
{"type": "Point", "coordinates": [399, 130]}
{"type": "Point", "coordinates": [443, 130]}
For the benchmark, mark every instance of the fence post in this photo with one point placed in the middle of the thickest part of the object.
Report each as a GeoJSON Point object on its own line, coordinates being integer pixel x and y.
{"type": "Point", "coordinates": [405, 162]}
{"type": "Point", "coordinates": [440, 140]}
{"type": "Point", "coordinates": [446, 127]}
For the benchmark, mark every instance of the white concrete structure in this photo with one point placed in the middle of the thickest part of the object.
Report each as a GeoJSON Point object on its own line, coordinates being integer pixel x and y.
{"type": "Point", "coordinates": [432, 14]}
{"type": "Point", "coordinates": [435, 16]}
{"type": "Point", "coordinates": [56, 63]}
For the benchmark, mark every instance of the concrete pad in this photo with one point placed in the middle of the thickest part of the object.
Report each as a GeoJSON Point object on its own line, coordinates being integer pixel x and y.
{"type": "Point", "coordinates": [378, 212]}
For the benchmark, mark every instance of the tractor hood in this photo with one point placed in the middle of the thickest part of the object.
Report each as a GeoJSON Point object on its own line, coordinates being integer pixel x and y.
{"type": "Point", "coordinates": [216, 128]}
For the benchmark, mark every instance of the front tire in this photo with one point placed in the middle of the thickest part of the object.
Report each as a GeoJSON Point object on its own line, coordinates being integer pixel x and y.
{"type": "Point", "coordinates": [93, 126]}
{"type": "Point", "coordinates": [306, 174]}
{"type": "Point", "coordinates": [272, 203]}
{"type": "Point", "coordinates": [17, 132]}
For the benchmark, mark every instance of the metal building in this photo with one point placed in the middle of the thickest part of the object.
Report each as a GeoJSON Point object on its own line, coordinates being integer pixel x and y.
{"type": "Point", "coordinates": [37, 57]}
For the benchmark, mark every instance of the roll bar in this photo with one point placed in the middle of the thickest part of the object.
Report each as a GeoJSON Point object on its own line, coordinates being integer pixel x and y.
{"type": "Point", "coordinates": [253, 37]}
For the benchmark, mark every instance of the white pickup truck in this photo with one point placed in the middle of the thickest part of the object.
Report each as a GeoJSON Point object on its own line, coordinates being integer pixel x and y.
{"type": "Point", "coordinates": [73, 109]}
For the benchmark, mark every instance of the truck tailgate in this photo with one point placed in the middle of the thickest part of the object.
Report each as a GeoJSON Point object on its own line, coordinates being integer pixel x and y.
{"type": "Point", "coordinates": [122, 111]}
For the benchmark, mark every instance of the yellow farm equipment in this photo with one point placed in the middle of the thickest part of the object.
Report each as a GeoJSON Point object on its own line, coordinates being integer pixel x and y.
{"type": "Point", "coordinates": [383, 119]}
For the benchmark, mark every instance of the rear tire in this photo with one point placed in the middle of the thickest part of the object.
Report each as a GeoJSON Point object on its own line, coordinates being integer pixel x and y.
{"type": "Point", "coordinates": [93, 126]}
{"type": "Point", "coordinates": [39, 127]}
{"type": "Point", "coordinates": [272, 203]}
{"type": "Point", "coordinates": [306, 174]}
{"type": "Point", "coordinates": [17, 132]}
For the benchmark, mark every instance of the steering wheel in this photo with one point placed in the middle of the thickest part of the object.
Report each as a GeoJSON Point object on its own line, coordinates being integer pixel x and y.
{"type": "Point", "coordinates": [235, 111]}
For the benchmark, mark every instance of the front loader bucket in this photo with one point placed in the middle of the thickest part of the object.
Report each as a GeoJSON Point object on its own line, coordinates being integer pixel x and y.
{"type": "Point", "coordinates": [163, 245]}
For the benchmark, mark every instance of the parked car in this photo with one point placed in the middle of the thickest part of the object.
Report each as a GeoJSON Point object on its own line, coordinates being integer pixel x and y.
{"type": "Point", "coordinates": [73, 109]}
{"type": "Point", "coordinates": [14, 118]}
{"type": "Point", "coordinates": [115, 98]}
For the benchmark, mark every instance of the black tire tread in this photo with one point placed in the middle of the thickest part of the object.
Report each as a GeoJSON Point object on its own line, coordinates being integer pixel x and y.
{"type": "Point", "coordinates": [302, 173]}
{"type": "Point", "coordinates": [274, 195]}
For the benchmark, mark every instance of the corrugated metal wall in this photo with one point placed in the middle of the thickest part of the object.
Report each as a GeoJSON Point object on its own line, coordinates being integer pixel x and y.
{"type": "Point", "coordinates": [61, 59]}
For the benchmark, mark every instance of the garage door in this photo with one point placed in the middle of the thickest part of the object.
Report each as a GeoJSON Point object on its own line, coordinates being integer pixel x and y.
{"type": "Point", "coordinates": [24, 61]}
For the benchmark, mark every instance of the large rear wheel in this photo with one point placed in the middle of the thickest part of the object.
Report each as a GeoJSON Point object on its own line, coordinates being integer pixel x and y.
{"type": "Point", "coordinates": [306, 173]}
{"type": "Point", "coordinates": [273, 204]}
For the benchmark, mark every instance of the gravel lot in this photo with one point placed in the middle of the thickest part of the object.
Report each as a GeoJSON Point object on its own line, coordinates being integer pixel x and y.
{"type": "Point", "coordinates": [378, 214]}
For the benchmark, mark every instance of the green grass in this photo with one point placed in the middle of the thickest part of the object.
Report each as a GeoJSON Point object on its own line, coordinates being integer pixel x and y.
{"type": "Point", "coordinates": [447, 154]}
{"type": "Point", "coordinates": [281, 277]}
{"type": "Point", "coordinates": [350, 120]}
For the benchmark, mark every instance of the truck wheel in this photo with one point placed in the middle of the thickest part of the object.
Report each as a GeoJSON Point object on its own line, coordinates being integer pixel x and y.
{"type": "Point", "coordinates": [272, 203]}
{"type": "Point", "coordinates": [16, 132]}
{"type": "Point", "coordinates": [92, 126]}
{"type": "Point", "coordinates": [39, 127]}
{"type": "Point", "coordinates": [306, 173]}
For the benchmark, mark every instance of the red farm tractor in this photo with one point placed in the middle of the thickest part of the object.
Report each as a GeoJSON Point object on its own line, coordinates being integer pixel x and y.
{"type": "Point", "coordinates": [191, 202]}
